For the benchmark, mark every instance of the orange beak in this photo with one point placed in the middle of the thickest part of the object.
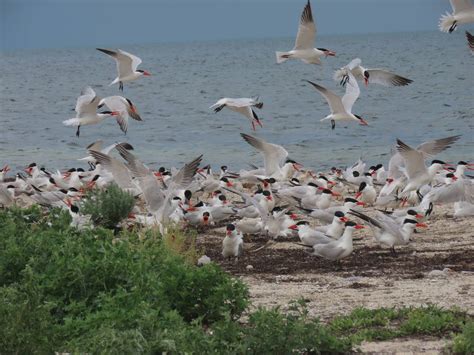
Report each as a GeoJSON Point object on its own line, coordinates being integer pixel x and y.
{"type": "Point", "coordinates": [344, 219]}
{"type": "Point", "coordinates": [358, 194]}
{"type": "Point", "coordinates": [145, 73]}
{"type": "Point", "coordinates": [422, 225]}
{"type": "Point", "coordinates": [293, 227]}
{"type": "Point", "coordinates": [360, 203]}
{"type": "Point", "coordinates": [359, 226]}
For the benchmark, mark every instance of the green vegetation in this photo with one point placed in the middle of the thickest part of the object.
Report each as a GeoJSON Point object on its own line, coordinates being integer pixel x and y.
{"type": "Point", "coordinates": [89, 291]}
{"type": "Point", "coordinates": [464, 342]}
{"type": "Point", "coordinates": [388, 323]}
{"type": "Point", "coordinates": [108, 207]}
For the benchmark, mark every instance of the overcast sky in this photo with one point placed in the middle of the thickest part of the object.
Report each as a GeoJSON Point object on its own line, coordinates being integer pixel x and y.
{"type": "Point", "coordinates": [89, 23]}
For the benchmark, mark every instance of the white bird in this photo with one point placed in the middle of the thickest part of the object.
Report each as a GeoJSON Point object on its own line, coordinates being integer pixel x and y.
{"type": "Point", "coordinates": [305, 39]}
{"type": "Point", "coordinates": [242, 106]}
{"type": "Point", "coordinates": [124, 107]}
{"type": "Point", "coordinates": [341, 108]}
{"type": "Point", "coordinates": [233, 244]}
{"type": "Point", "coordinates": [416, 171]}
{"type": "Point", "coordinates": [274, 157]}
{"type": "Point", "coordinates": [126, 66]}
{"type": "Point", "coordinates": [373, 75]}
{"type": "Point", "coordinates": [86, 111]}
{"type": "Point", "coordinates": [387, 231]}
{"type": "Point", "coordinates": [338, 249]}
{"type": "Point", "coordinates": [463, 12]}
{"type": "Point", "coordinates": [366, 194]}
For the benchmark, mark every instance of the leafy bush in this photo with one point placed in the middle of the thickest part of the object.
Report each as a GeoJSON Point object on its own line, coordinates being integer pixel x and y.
{"type": "Point", "coordinates": [108, 207]}
{"type": "Point", "coordinates": [82, 285]}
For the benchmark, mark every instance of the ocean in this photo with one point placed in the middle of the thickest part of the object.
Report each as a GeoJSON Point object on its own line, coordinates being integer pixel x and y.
{"type": "Point", "coordinates": [39, 89]}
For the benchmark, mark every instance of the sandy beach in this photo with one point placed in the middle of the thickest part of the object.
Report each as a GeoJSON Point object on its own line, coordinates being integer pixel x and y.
{"type": "Point", "coordinates": [436, 268]}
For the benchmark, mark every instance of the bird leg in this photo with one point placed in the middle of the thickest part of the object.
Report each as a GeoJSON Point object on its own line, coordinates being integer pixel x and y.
{"type": "Point", "coordinates": [78, 132]}
{"type": "Point", "coordinates": [333, 124]}
{"type": "Point", "coordinates": [453, 26]}
{"type": "Point", "coordinates": [121, 86]}
{"type": "Point", "coordinates": [253, 126]}
{"type": "Point", "coordinates": [392, 249]}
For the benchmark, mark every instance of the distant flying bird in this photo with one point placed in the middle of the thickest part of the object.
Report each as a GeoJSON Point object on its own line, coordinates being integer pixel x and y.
{"type": "Point", "coordinates": [242, 106]}
{"type": "Point", "coordinates": [463, 12]}
{"type": "Point", "coordinates": [86, 110]}
{"type": "Point", "coordinates": [341, 108]}
{"type": "Point", "coordinates": [470, 41]}
{"type": "Point", "coordinates": [305, 39]}
{"type": "Point", "coordinates": [124, 107]}
{"type": "Point", "coordinates": [376, 76]}
{"type": "Point", "coordinates": [126, 66]}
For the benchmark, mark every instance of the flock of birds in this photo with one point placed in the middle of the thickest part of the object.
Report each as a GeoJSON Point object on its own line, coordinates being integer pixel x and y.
{"type": "Point", "coordinates": [281, 199]}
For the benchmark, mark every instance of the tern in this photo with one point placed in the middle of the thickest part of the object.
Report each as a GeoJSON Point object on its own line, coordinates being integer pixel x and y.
{"type": "Point", "coordinates": [124, 107]}
{"type": "Point", "coordinates": [233, 244]}
{"type": "Point", "coordinates": [126, 66]}
{"type": "Point", "coordinates": [418, 174]}
{"type": "Point", "coordinates": [86, 111]}
{"type": "Point", "coordinates": [463, 12]}
{"type": "Point", "coordinates": [387, 231]}
{"type": "Point", "coordinates": [275, 157]}
{"type": "Point", "coordinates": [242, 106]}
{"type": "Point", "coordinates": [305, 39]}
{"type": "Point", "coordinates": [338, 249]}
{"type": "Point", "coordinates": [375, 75]}
{"type": "Point", "coordinates": [341, 108]}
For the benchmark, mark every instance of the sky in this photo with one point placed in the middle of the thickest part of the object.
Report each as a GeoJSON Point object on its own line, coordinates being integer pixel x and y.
{"type": "Point", "coordinates": [91, 23]}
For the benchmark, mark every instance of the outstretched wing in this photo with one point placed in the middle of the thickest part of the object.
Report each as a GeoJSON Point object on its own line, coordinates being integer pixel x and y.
{"type": "Point", "coordinates": [306, 30]}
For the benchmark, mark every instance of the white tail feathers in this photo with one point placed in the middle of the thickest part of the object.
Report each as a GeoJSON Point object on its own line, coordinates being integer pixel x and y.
{"type": "Point", "coordinates": [339, 74]}
{"type": "Point", "coordinates": [282, 56]}
{"type": "Point", "coordinates": [72, 122]}
{"type": "Point", "coordinates": [446, 23]}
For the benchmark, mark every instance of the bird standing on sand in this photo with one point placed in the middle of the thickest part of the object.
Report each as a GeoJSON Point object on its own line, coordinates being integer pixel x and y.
{"type": "Point", "coordinates": [233, 244]}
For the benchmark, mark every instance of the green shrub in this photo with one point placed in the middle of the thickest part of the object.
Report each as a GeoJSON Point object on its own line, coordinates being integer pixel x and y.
{"type": "Point", "coordinates": [464, 342]}
{"type": "Point", "coordinates": [108, 207]}
{"type": "Point", "coordinates": [83, 285]}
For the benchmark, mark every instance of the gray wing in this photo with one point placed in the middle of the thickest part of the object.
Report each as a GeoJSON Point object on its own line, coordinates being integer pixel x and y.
{"type": "Point", "coordinates": [119, 171]}
{"type": "Point", "coordinates": [437, 146]}
{"type": "Point", "coordinates": [185, 175]}
{"type": "Point", "coordinates": [470, 41]}
{"type": "Point", "coordinates": [414, 159]}
{"type": "Point", "coordinates": [274, 156]}
{"type": "Point", "coordinates": [334, 101]}
{"type": "Point", "coordinates": [306, 30]}
{"type": "Point", "coordinates": [386, 78]}
{"type": "Point", "coordinates": [249, 200]}
{"type": "Point", "coordinates": [151, 189]}
{"type": "Point", "coordinates": [328, 251]}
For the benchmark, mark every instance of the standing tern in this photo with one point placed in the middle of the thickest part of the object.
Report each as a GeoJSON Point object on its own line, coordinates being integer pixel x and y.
{"type": "Point", "coordinates": [375, 75]}
{"type": "Point", "coordinates": [242, 106]}
{"type": "Point", "coordinates": [463, 12]}
{"type": "Point", "coordinates": [86, 110]}
{"type": "Point", "coordinates": [124, 107]}
{"type": "Point", "coordinates": [387, 231]}
{"type": "Point", "coordinates": [126, 66]}
{"type": "Point", "coordinates": [233, 244]}
{"type": "Point", "coordinates": [305, 38]}
{"type": "Point", "coordinates": [339, 248]}
{"type": "Point", "coordinates": [341, 108]}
